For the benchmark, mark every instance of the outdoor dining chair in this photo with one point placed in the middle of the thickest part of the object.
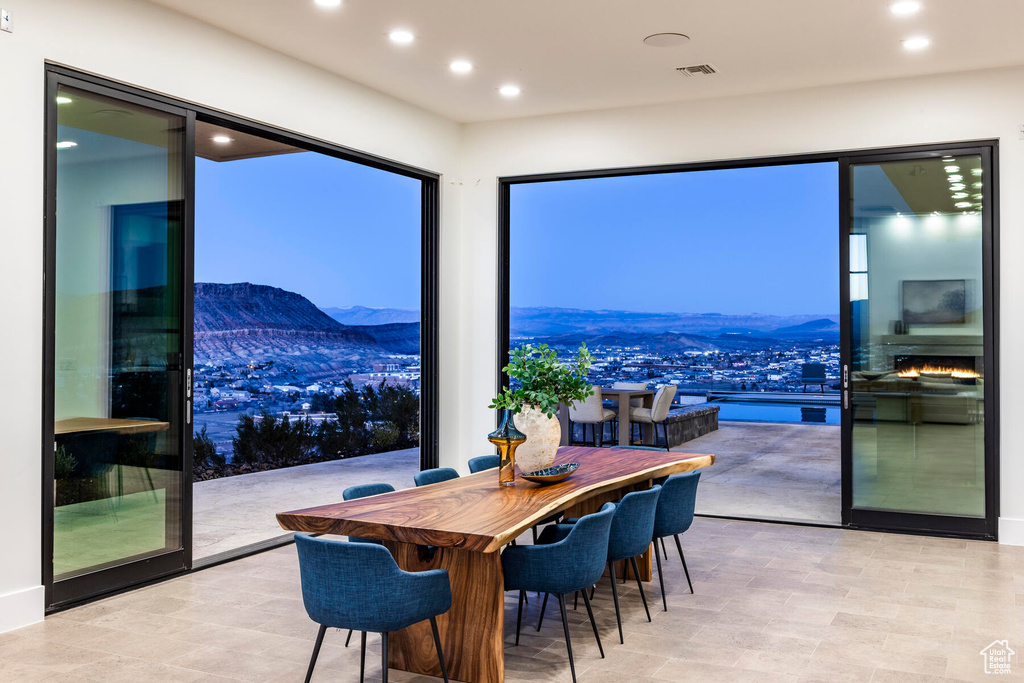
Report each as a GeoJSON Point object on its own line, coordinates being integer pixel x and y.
{"type": "Point", "coordinates": [656, 414]}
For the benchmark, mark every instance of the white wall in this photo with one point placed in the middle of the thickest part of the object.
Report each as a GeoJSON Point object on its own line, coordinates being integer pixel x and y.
{"type": "Point", "coordinates": [159, 50]}
{"type": "Point", "coordinates": [988, 104]}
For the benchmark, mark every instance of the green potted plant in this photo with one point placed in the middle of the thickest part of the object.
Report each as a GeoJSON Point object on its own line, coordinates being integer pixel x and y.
{"type": "Point", "coordinates": [541, 381]}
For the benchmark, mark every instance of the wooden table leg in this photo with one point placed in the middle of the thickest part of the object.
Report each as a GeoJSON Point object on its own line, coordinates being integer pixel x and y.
{"type": "Point", "coordinates": [472, 631]}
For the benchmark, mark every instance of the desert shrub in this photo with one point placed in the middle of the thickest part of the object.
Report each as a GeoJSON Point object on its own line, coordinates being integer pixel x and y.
{"type": "Point", "coordinates": [204, 451]}
{"type": "Point", "coordinates": [383, 436]}
{"type": "Point", "coordinates": [271, 439]}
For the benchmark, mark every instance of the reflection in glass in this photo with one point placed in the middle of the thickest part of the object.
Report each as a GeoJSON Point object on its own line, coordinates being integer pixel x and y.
{"type": "Point", "coordinates": [117, 394]}
{"type": "Point", "coordinates": [917, 330]}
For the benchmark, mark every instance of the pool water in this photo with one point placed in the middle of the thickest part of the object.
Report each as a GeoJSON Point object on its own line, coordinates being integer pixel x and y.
{"type": "Point", "coordinates": [777, 412]}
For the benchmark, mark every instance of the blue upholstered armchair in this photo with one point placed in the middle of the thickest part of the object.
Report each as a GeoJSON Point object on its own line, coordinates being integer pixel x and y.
{"type": "Point", "coordinates": [363, 491]}
{"type": "Point", "coordinates": [573, 563]}
{"type": "Point", "coordinates": [484, 462]}
{"type": "Point", "coordinates": [674, 516]}
{"type": "Point", "coordinates": [433, 476]}
{"type": "Point", "coordinates": [360, 586]}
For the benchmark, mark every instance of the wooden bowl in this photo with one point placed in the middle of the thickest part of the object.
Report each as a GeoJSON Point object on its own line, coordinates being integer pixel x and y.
{"type": "Point", "coordinates": [551, 475]}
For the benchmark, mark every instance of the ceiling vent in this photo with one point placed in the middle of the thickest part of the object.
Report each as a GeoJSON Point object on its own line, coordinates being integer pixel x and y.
{"type": "Point", "coordinates": [697, 70]}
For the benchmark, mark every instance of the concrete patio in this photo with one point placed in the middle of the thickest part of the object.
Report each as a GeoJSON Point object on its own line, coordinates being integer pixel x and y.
{"type": "Point", "coordinates": [763, 471]}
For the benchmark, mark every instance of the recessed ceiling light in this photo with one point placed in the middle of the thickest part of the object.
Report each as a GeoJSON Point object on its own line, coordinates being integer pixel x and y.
{"type": "Point", "coordinates": [905, 7]}
{"type": "Point", "coordinates": [956, 187]}
{"type": "Point", "coordinates": [64, 100]}
{"type": "Point", "coordinates": [461, 66]}
{"type": "Point", "coordinates": [328, 4]}
{"type": "Point", "coordinates": [955, 178]}
{"type": "Point", "coordinates": [962, 205]}
{"type": "Point", "coordinates": [915, 43]}
{"type": "Point", "coordinates": [976, 196]}
{"type": "Point", "coordinates": [976, 186]}
{"type": "Point", "coordinates": [66, 144]}
{"type": "Point", "coordinates": [952, 169]}
{"type": "Point", "coordinates": [975, 171]}
{"type": "Point", "coordinates": [401, 36]}
{"type": "Point", "coordinates": [509, 90]}
{"type": "Point", "coordinates": [221, 139]}
{"type": "Point", "coordinates": [959, 195]}
{"type": "Point", "coordinates": [666, 40]}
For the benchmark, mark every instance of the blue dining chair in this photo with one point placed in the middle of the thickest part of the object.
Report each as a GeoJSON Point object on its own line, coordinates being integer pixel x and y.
{"type": "Point", "coordinates": [572, 563]}
{"type": "Point", "coordinates": [673, 517]}
{"type": "Point", "coordinates": [360, 586]}
{"type": "Point", "coordinates": [484, 462]}
{"type": "Point", "coordinates": [434, 476]}
{"type": "Point", "coordinates": [632, 527]}
{"type": "Point", "coordinates": [363, 491]}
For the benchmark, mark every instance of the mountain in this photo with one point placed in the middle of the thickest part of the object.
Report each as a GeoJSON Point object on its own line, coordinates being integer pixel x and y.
{"type": "Point", "coordinates": [552, 322]}
{"type": "Point", "coordinates": [394, 338]}
{"type": "Point", "coordinates": [245, 322]}
{"type": "Point", "coordinates": [822, 328]}
{"type": "Point", "coordinates": [363, 315]}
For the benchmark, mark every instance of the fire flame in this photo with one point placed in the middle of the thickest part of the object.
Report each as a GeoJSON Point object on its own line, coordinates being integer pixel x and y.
{"type": "Point", "coordinates": [956, 373]}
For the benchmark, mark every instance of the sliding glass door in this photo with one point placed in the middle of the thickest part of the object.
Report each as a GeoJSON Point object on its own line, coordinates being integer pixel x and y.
{"type": "Point", "coordinates": [918, 377]}
{"type": "Point", "coordinates": [117, 402]}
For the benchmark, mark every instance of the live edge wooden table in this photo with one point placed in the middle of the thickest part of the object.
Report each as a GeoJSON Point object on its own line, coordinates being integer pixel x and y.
{"type": "Point", "coordinates": [466, 522]}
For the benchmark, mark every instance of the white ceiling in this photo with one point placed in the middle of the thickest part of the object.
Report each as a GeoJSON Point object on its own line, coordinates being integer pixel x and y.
{"type": "Point", "coordinates": [574, 55]}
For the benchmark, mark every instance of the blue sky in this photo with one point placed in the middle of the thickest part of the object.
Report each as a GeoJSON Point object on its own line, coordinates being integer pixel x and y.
{"type": "Point", "coordinates": [736, 241]}
{"type": "Point", "coordinates": [339, 233]}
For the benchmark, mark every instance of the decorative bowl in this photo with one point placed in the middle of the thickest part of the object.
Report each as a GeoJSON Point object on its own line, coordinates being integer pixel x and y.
{"type": "Point", "coordinates": [551, 475]}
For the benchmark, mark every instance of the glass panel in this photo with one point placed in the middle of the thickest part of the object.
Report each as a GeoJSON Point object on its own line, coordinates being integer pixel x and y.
{"type": "Point", "coordinates": [917, 331]}
{"type": "Point", "coordinates": [118, 324]}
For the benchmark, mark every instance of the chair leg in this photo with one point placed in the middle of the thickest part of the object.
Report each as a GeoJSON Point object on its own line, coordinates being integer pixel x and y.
{"type": "Point", "coordinates": [615, 597]}
{"type": "Point", "coordinates": [664, 550]}
{"type": "Point", "coordinates": [590, 613]}
{"type": "Point", "coordinates": [440, 652]}
{"type": "Point", "coordinates": [576, 600]}
{"type": "Point", "coordinates": [661, 576]}
{"type": "Point", "coordinates": [599, 434]}
{"type": "Point", "coordinates": [362, 655]}
{"type": "Point", "coordinates": [640, 585]}
{"type": "Point", "coordinates": [348, 637]}
{"type": "Point", "coordinates": [543, 608]}
{"type": "Point", "coordinates": [519, 615]}
{"type": "Point", "coordinates": [568, 642]}
{"type": "Point", "coordinates": [384, 657]}
{"type": "Point", "coordinates": [679, 547]}
{"type": "Point", "coordinates": [316, 651]}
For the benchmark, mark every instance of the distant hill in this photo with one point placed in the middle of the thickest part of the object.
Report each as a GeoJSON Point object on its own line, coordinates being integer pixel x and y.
{"type": "Point", "coordinates": [553, 322]}
{"type": "Point", "coordinates": [822, 328]}
{"type": "Point", "coordinates": [248, 322]}
{"type": "Point", "coordinates": [394, 338]}
{"type": "Point", "coordinates": [363, 315]}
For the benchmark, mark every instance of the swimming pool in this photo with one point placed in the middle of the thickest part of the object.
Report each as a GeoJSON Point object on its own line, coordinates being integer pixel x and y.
{"type": "Point", "coordinates": [749, 411]}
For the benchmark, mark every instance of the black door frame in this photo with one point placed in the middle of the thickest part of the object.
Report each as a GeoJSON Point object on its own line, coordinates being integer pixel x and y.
{"type": "Point", "coordinates": [131, 574]}
{"type": "Point", "coordinates": [930, 524]}
{"type": "Point", "coordinates": [844, 159]}
{"type": "Point", "coordinates": [128, 572]}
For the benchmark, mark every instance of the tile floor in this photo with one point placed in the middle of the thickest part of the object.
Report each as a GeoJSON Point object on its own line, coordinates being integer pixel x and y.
{"type": "Point", "coordinates": [772, 603]}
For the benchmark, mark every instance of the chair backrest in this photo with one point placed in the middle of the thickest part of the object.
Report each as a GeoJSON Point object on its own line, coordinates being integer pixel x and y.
{"type": "Point", "coordinates": [578, 560]}
{"type": "Point", "coordinates": [633, 524]}
{"type": "Point", "coordinates": [632, 386]}
{"type": "Point", "coordinates": [589, 410]}
{"type": "Point", "coordinates": [434, 476]}
{"type": "Point", "coordinates": [663, 402]}
{"type": "Point", "coordinates": [813, 371]}
{"type": "Point", "coordinates": [364, 490]}
{"type": "Point", "coordinates": [483, 462]}
{"type": "Point", "coordinates": [676, 504]}
{"type": "Point", "coordinates": [343, 583]}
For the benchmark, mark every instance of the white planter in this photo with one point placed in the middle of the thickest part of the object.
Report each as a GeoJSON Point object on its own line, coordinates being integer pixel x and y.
{"type": "Point", "coordinates": [542, 436]}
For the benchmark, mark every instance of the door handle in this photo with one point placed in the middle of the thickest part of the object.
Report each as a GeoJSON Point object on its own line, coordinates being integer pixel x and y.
{"type": "Point", "coordinates": [846, 376]}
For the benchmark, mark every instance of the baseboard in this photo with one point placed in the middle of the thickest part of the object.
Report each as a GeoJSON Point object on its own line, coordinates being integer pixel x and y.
{"type": "Point", "coordinates": [21, 608]}
{"type": "Point", "coordinates": [1011, 531]}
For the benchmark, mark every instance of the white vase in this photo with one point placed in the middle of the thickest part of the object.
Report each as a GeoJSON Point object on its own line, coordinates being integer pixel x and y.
{"type": "Point", "coordinates": [542, 436]}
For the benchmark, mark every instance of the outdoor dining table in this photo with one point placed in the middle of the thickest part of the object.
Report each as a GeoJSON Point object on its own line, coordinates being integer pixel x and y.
{"type": "Point", "coordinates": [462, 524]}
{"type": "Point", "coordinates": [622, 396]}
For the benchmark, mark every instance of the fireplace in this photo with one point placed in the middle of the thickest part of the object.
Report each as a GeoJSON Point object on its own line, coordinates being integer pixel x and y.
{"type": "Point", "coordinates": [961, 369]}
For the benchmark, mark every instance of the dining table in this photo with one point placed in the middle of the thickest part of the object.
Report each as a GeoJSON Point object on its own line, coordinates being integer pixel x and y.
{"type": "Point", "coordinates": [623, 398]}
{"type": "Point", "coordinates": [462, 524]}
